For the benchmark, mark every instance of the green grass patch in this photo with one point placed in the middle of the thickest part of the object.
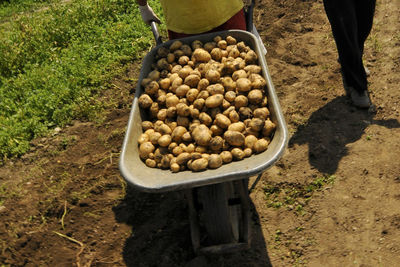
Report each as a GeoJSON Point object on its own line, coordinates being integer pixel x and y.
{"type": "Point", "coordinates": [56, 56]}
{"type": "Point", "coordinates": [294, 196]}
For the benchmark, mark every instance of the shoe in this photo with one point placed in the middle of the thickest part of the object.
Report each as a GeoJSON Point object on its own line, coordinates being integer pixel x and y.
{"type": "Point", "coordinates": [367, 71]}
{"type": "Point", "coordinates": [359, 99]}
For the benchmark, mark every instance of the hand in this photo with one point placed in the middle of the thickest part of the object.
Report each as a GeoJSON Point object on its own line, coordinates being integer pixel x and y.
{"type": "Point", "coordinates": [148, 14]}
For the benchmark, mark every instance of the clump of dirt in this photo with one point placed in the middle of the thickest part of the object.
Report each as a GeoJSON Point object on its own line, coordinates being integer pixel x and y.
{"type": "Point", "coordinates": [332, 199]}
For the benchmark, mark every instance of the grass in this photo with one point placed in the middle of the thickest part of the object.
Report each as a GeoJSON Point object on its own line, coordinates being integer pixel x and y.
{"type": "Point", "coordinates": [56, 57]}
{"type": "Point", "coordinates": [294, 197]}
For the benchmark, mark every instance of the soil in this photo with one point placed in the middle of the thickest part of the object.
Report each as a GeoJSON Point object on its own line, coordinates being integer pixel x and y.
{"type": "Point", "coordinates": [332, 200]}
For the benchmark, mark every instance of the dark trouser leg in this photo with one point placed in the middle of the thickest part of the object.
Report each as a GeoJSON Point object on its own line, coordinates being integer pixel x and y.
{"type": "Point", "coordinates": [342, 15]}
{"type": "Point", "coordinates": [365, 15]}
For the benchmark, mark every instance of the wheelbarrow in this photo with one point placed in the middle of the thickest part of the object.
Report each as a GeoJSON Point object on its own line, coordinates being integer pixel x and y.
{"type": "Point", "coordinates": [218, 199]}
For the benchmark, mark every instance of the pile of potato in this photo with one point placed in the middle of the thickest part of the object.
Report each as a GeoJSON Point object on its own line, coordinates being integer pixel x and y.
{"type": "Point", "coordinates": [206, 106]}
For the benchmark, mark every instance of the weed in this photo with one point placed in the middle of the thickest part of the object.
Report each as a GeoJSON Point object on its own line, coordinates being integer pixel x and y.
{"type": "Point", "coordinates": [294, 196]}
{"type": "Point", "coordinates": [55, 58]}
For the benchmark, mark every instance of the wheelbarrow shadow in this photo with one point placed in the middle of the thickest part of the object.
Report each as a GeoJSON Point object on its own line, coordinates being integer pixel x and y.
{"type": "Point", "coordinates": [330, 129]}
{"type": "Point", "coordinates": [160, 234]}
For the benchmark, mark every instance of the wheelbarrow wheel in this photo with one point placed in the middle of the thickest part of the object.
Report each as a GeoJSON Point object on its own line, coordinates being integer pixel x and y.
{"type": "Point", "coordinates": [220, 218]}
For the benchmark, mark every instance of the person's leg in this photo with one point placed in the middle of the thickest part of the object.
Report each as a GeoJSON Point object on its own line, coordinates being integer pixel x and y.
{"type": "Point", "coordinates": [365, 15]}
{"type": "Point", "coordinates": [342, 17]}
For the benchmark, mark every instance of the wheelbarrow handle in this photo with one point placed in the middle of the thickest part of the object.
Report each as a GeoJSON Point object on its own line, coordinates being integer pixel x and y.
{"type": "Point", "coordinates": [249, 15]}
{"type": "Point", "coordinates": [156, 33]}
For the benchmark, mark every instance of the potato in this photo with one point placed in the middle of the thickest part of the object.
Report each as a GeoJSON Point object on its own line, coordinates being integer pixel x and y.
{"type": "Point", "coordinates": [269, 127]}
{"type": "Point", "coordinates": [216, 130]}
{"type": "Point", "coordinates": [230, 40]}
{"type": "Point", "coordinates": [183, 60]}
{"type": "Point", "coordinates": [205, 118]}
{"type": "Point", "coordinates": [241, 101]}
{"type": "Point", "coordinates": [199, 164]}
{"type": "Point", "coordinates": [216, 54]}
{"type": "Point", "coordinates": [183, 158]}
{"type": "Point", "coordinates": [214, 101]}
{"type": "Point", "coordinates": [196, 44]}
{"type": "Point", "coordinates": [152, 88]}
{"type": "Point", "coordinates": [184, 72]}
{"type": "Point", "coordinates": [261, 113]}
{"type": "Point", "coordinates": [245, 113]}
{"type": "Point", "coordinates": [234, 53]}
{"type": "Point", "coordinates": [177, 151]}
{"type": "Point", "coordinates": [257, 81]}
{"type": "Point", "coordinates": [237, 126]}
{"type": "Point", "coordinates": [226, 156]}
{"type": "Point", "coordinates": [216, 143]}
{"type": "Point", "coordinates": [162, 114]}
{"type": "Point", "coordinates": [143, 138]}
{"type": "Point", "coordinates": [187, 51]}
{"type": "Point", "coordinates": [191, 147]}
{"type": "Point", "coordinates": [239, 74]}
{"type": "Point", "coordinates": [241, 46]}
{"type": "Point", "coordinates": [222, 44]}
{"type": "Point", "coordinates": [196, 155]}
{"type": "Point", "coordinates": [234, 116]}
{"type": "Point", "coordinates": [187, 137]}
{"type": "Point", "coordinates": [192, 94]}
{"type": "Point", "coordinates": [209, 46]}
{"type": "Point", "coordinates": [177, 133]}
{"type": "Point", "coordinates": [153, 137]}
{"type": "Point", "coordinates": [175, 69]}
{"type": "Point", "coordinates": [214, 161]}
{"type": "Point", "coordinates": [243, 85]}
{"type": "Point", "coordinates": [145, 149]}
{"type": "Point", "coordinates": [164, 129]}
{"type": "Point", "coordinates": [234, 138]}
{"type": "Point", "coordinates": [170, 58]}
{"type": "Point", "coordinates": [228, 84]}
{"type": "Point", "coordinates": [255, 96]}
{"type": "Point", "coordinates": [230, 96]}
{"type": "Point", "coordinates": [171, 112]}
{"type": "Point", "coordinates": [203, 94]}
{"type": "Point", "coordinates": [176, 83]}
{"type": "Point", "coordinates": [147, 125]}
{"type": "Point", "coordinates": [250, 141]}
{"type": "Point", "coordinates": [222, 121]}
{"type": "Point", "coordinates": [203, 83]}
{"type": "Point", "coordinates": [260, 146]}
{"type": "Point", "coordinates": [165, 140]}
{"type": "Point", "coordinates": [215, 89]}
{"type": "Point", "coordinates": [145, 101]}
{"type": "Point", "coordinates": [192, 80]}
{"type": "Point", "coordinates": [183, 121]}
{"type": "Point", "coordinates": [154, 109]}
{"type": "Point", "coordinates": [200, 55]}
{"type": "Point", "coordinates": [199, 102]}
{"type": "Point", "coordinates": [251, 57]}
{"type": "Point", "coordinates": [154, 75]}
{"type": "Point", "coordinates": [182, 90]}
{"type": "Point", "coordinates": [162, 52]}
{"type": "Point", "coordinates": [237, 154]}
{"type": "Point", "coordinates": [256, 124]}
{"type": "Point", "coordinates": [171, 101]}
{"type": "Point", "coordinates": [163, 64]}
{"type": "Point", "coordinates": [194, 112]}
{"type": "Point", "coordinates": [175, 45]}
{"type": "Point", "coordinates": [151, 163]}
{"type": "Point", "coordinates": [212, 75]}
{"type": "Point", "coordinates": [253, 69]}
{"type": "Point", "coordinates": [201, 135]}
{"type": "Point", "coordinates": [174, 167]}
{"type": "Point", "coordinates": [165, 83]}
{"type": "Point", "coordinates": [172, 146]}
{"type": "Point", "coordinates": [201, 149]}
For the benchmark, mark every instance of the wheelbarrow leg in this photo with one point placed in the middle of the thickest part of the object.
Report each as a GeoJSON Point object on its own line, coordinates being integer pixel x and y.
{"type": "Point", "coordinates": [224, 212]}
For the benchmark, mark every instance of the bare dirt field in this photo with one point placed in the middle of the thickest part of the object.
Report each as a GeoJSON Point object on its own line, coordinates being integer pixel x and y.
{"type": "Point", "coordinates": [332, 200]}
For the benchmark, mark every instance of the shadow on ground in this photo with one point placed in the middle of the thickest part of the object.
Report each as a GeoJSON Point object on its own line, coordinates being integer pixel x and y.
{"type": "Point", "coordinates": [331, 128]}
{"type": "Point", "coordinates": [161, 234]}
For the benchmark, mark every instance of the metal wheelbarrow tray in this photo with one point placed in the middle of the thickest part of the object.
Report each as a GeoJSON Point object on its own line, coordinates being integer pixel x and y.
{"type": "Point", "coordinates": [147, 179]}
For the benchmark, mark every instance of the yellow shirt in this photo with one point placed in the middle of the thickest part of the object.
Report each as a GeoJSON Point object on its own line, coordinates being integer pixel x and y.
{"type": "Point", "coordinates": [198, 16]}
